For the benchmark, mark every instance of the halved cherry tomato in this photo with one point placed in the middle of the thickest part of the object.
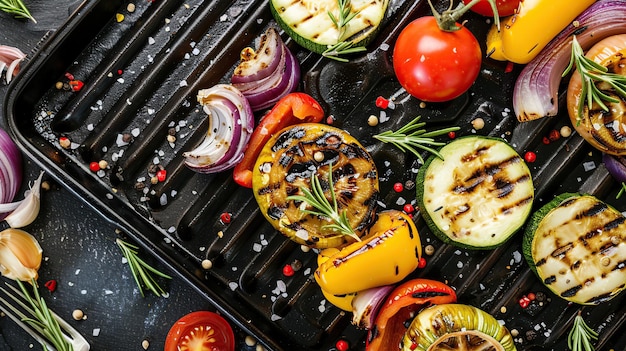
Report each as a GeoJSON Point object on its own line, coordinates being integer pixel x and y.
{"type": "Point", "coordinates": [505, 7]}
{"type": "Point", "coordinates": [200, 331]}
{"type": "Point", "coordinates": [401, 306]}
{"type": "Point", "coordinates": [291, 109]}
{"type": "Point", "coordinates": [433, 64]}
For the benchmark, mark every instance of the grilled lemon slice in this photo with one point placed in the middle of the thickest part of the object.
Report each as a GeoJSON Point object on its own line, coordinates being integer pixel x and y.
{"type": "Point", "coordinates": [576, 244]}
{"type": "Point", "coordinates": [456, 327]}
{"type": "Point", "coordinates": [285, 166]}
{"type": "Point", "coordinates": [478, 195]}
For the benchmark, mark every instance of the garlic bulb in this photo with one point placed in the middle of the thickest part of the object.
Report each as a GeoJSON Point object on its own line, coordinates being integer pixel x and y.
{"type": "Point", "coordinates": [20, 255]}
{"type": "Point", "coordinates": [28, 209]}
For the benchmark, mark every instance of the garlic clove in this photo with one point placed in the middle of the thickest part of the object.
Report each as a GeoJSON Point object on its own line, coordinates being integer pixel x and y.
{"type": "Point", "coordinates": [20, 255]}
{"type": "Point", "coordinates": [28, 209]}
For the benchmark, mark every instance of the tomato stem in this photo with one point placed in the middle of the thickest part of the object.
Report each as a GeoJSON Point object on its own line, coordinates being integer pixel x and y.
{"type": "Point", "coordinates": [447, 20]}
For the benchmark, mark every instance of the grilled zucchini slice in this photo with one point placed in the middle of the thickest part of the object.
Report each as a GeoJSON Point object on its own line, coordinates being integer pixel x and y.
{"type": "Point", "coordinates": [576, 244]}
{"type": "Point", "coordinates": [478, 195]}
{"type": "Point", "coordinates": [285, 166]}
{"type": "Point", "coordinates": [456, 327]}
{"type": "Point", "coordinates": [309, 24]}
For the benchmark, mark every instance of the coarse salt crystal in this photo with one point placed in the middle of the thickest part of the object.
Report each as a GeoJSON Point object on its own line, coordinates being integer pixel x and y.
{"type": "Point", "coordinates": [96, 332]}
{"type": "Point", "coordinates": [233, 286]}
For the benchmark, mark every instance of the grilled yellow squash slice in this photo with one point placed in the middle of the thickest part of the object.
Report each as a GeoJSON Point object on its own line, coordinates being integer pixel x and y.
{"type": "Point", "coordinates": [478, 195]}
{"type": "Point", "coordinates": [576, 244]}
{"type": "Point", "coordinates": [456, 327]}
{"type": "Point", "coordinates": [285, 166]}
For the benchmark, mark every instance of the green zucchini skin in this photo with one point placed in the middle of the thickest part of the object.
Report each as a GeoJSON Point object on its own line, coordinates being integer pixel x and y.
{"type": "Point", "coordinates": [576, 245]}
{"type": "Point", "coordinates": [504, 181]}
{"type": "Point", "coordinates": [362, 29]}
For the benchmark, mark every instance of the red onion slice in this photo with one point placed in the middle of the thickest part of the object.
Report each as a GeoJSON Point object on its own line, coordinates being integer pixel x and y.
{"type": "Point", "coordinates": [269, 74]}
{"type": "Point", "coordinates": [10, 58]}
{"type": "Point", "coordinates": [231, 122]}
{"type": "Point", "coordinates": [536, 90]}
{"type": "Point", "coordinates": [366, 304]}
{"type": "Point", "coordinates": [616, 165]}
{"type": "Point", "coordinates": [10, 171]}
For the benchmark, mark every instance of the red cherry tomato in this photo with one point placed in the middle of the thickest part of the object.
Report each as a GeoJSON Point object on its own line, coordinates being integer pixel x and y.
{"type": "Point", "coordinates": [505, 7]}
{"type": "Point", "coordinates": [435, 65]}
{"type": "Point", "coordinates": [200, 331]}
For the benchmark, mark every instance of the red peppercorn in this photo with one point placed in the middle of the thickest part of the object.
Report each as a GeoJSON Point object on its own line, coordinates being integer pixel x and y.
{"type": "Point", "coordinates": [51, 285]}
{"type": "Point", "coordinates": [531, 296]}
{"type": "Point", "coordinates": [509, 67]}
{"type": "Point", "coordinates": [398, 187]}
{"type": "Point", "coordinates": [94, 166]}
{"type": "Point", "coordinates": [76, 85]}
{"type": "Point", "coordinates": [452, 134]}
{"type": "Point", "coordinates": [119, 71]}
{"type": "Point", "coordinates": [381, 102]}
{"type": "Point", "coordinates": [530, 157]}
{"type": "Point", "coordinates": [524, 301]}
{"type": "Point", "coordinates": [161, 175]}
{"type": "Point", "coordinates": [554, 135]}
{"type": "Point", "coordinates": [545, 140]}
{"type": "Point", "coordinates": [288, 270]}
{"type": "Point", "coordinates": [421, 263]}
{"type": "Point", "coordinates": [408, 208]}
{"type": "Point", "coordinates": [225, 218]}
{"type": "Point", "coordinates": [342, 345]}
{"type": "Point", "coordinates": [69, 76]}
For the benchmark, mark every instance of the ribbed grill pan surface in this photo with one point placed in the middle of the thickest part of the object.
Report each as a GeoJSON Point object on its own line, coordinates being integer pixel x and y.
{"type": "Point", "coordinates": [141, 77]}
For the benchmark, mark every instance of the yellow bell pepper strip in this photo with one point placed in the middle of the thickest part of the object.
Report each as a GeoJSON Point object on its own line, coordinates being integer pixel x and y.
{"type": "Point", "coordinates": [293, 108]}
{"type": "Point", "coordinates": [387, 254]}
{"type": "Point", "coordinates": [536, 22]}
{"type": "Point", "coordinates": [342, 301]}
{"type": "Point", "coordinates": [401, 305]}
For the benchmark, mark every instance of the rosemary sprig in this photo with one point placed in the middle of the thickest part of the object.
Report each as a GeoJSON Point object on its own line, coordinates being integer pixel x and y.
{"type": "Point", "coordinates": [592, 72]}
{"type": "Point", "coordinates": [412, 137]}
{"type": "Point", "coordinates": [579, 338]}
{"type": "Point", "coordinates": [41, 318]}
{"type": "Point", "coordinates": [142, 271]}
{"type": "Point", "coordinates": [622, 190]}
{"type": "Point", "coordinates": [315, 198]}
{"type": "Point", "coordinates": [16, 8]}
{"type": "Point", "coordinates": [342, 47]}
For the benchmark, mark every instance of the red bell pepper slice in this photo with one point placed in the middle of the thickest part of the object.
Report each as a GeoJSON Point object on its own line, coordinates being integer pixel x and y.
{"type": "Point", "coordinates": [292, 109]}
{"type": "Point", "coordinates": [401, 305]}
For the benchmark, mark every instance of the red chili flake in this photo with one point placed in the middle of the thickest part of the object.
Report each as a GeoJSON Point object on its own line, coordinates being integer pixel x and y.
{"type": "Point", "coordinates": [161, 175]}
{"type": "Point", "coordinates": [288, 270]}
{"type": "Point", "coordinates": [51, 285]}
{"type": "Point", "coordinates": [69, 76]}
{"type": "Point", "coordinates": [330, 119]}
{"type": "Point", "coordinates": [530, 157]}
{"type": "Point", "coordinates": [531, 296]}
{"type": "Point", "coordinates": [225, 218]}
{"type": "Point", "coordinates": [398, 187]}
{"type": "Point", "coordinates": [76, 85]}
{"type": "Point", "coordinates": [413, 345]}
{"type": "Point", "coordinates": [509, 67]}
{"type": "Point", "coordinates": [545, 140]}
{"type": "Point", "coordinates": [554, 135]}
{"type": "Point", "coordinates": [524, 301]}
{"type": "Point", "coordinates": [408, 208]}
{"type": "Point", "coordinates": [381, 102]}
{"type": "Point", "coordinates": [452, 135]}
{"type": "Point", "coordinates": [94, 166]}
{"type": "Point", "coordinates": [342, 345]}
{"type": "Point", "coordinates": [421, 263]}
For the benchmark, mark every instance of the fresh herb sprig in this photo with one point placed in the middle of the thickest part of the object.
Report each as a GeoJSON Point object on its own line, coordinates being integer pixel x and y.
{"type": "Point", "coordinates": [591, 73]}
{"type": "Point", "coordinates": [621, 191]}
{"type": "Point", "coordinates": [579, 338]}
{"type": "Point", "coordinates": [342, 47]}
{"type": "Point", "coordinates": [315, 198]}
{"type": "Point", "coordinates": [142, 271]}
{"type": "Point", "coordinates": [16, 8]}
{"type": "Point", "coordinates": [412, 137]}
{"type": "Point", "coordinates": [40, 319]}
